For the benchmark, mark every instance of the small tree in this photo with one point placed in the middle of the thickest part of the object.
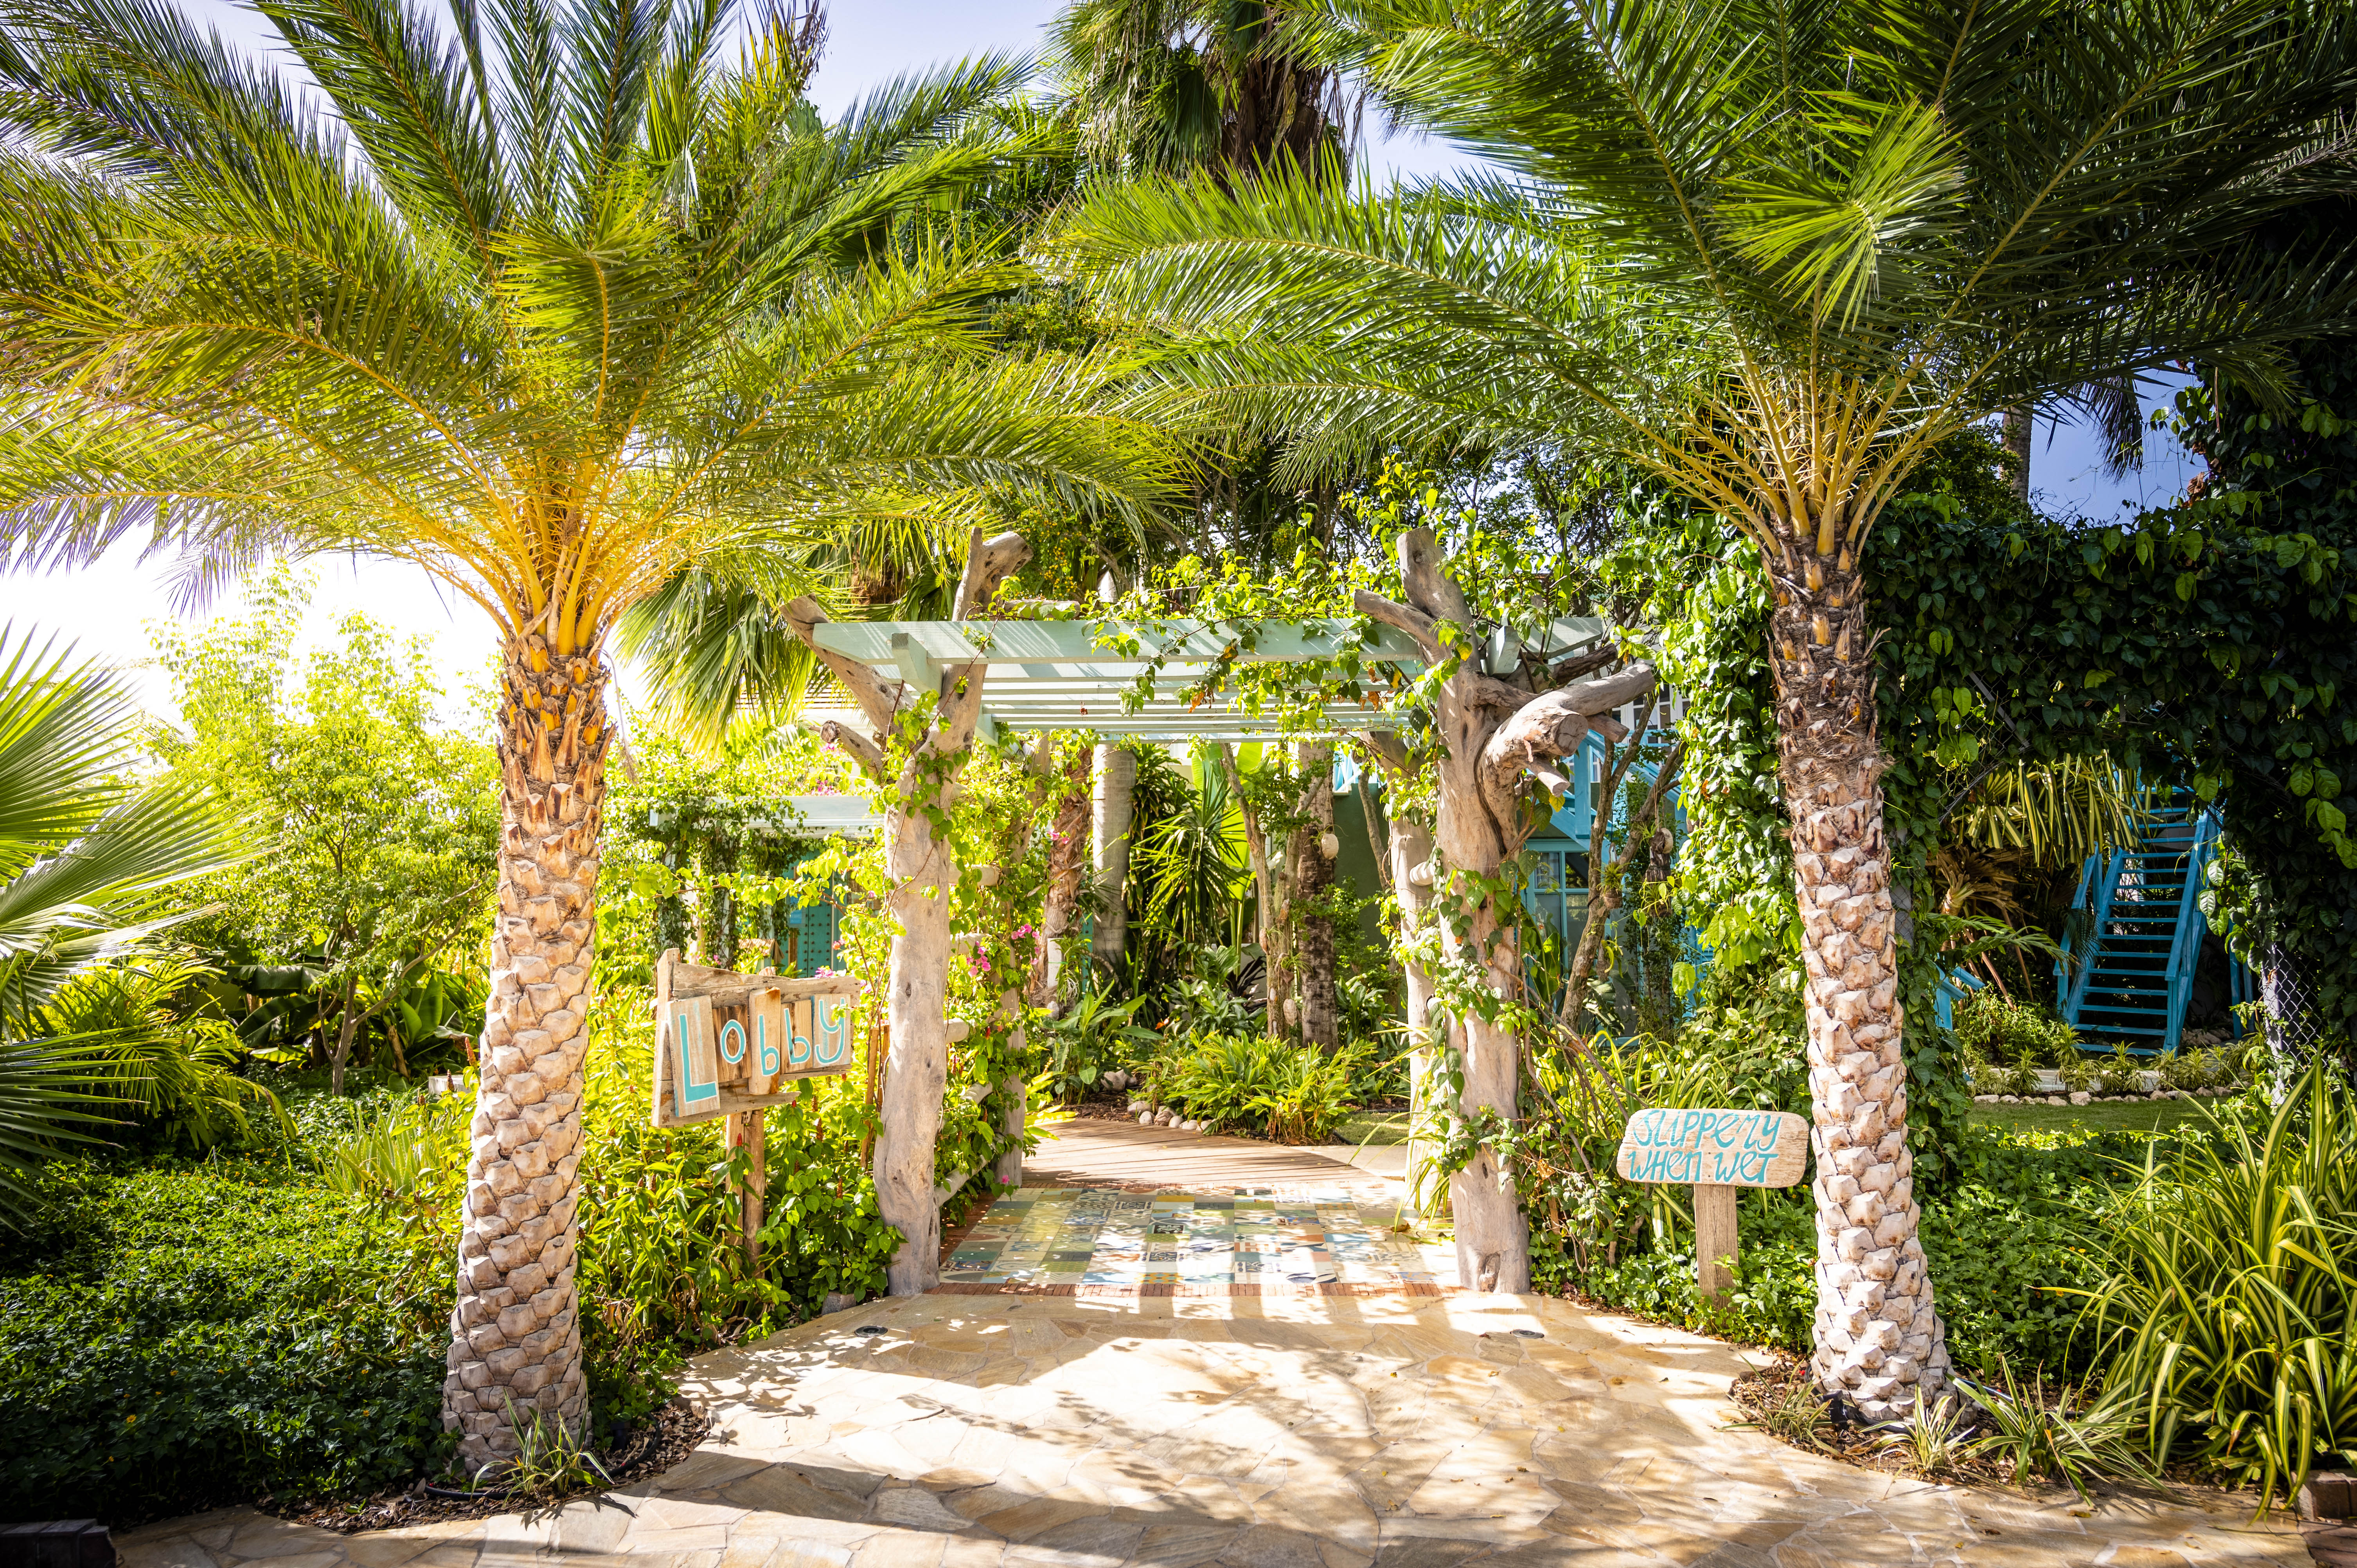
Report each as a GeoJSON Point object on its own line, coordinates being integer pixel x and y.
{"type": "Point", "coordinates": [383, 823]}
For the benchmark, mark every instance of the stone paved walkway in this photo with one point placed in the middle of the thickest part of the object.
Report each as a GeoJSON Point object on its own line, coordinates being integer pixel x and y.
{"type": "Point", "coordinates": [1383, 1429]}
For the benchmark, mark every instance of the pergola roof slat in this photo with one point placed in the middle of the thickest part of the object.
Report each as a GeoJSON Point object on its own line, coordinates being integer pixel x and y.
{"type": "Point", "coordinates": [1001, 643]}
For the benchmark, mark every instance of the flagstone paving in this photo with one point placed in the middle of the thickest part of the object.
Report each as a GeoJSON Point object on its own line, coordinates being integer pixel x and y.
{"type": "Point", "coordinates": [1338, 1421]}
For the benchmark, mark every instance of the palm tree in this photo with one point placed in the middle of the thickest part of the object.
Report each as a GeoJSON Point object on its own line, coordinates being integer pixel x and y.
{"type": "Point", "coordinates": [1159, 86]}
{"type": "Point", "coordinates": [551, 302]}
{"type": "Point", "coordinates": [1776, 253]}
{"type": "Point", "coordinates": [84, 857]}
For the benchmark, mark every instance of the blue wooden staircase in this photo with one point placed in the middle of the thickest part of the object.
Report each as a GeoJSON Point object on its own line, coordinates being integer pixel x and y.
{"type": "Point", "coordinates": [2127, 964]}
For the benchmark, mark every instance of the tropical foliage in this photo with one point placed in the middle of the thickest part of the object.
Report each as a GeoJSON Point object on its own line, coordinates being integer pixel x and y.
{"type": "Point", "coordinates": [2228, 1312]}
{"type": "Point", "coordinates": [382, 811]}
{"type": "Point", "coordinates": [85, 853]}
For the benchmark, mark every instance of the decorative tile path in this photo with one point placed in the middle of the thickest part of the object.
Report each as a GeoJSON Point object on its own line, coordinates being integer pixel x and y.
{"type": "Point", "coordinates": [1233, 1242]}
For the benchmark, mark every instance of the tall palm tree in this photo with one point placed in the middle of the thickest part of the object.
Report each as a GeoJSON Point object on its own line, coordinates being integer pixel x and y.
{"type": "Point", "coordinates": [550, 301]}
{"type": "Point", "coordinates": [1776, 250]}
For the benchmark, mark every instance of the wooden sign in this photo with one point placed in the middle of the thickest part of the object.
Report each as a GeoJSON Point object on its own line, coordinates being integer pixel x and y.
{"type": "Point", "coordinates": [728, 1043]}
{"type": "Point", "coordinates": [1719, 1148]}
{"type": "Point", "coordinates": [1720, 1153]}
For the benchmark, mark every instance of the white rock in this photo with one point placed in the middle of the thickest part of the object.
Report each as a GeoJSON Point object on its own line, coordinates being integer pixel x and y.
{"type": "Point", "coordinates": [2081, 1097]}
{"type": "Point", "coordinates": [1141, 1105]}
{"type": "Point", "coordinates": [1146, 1118]}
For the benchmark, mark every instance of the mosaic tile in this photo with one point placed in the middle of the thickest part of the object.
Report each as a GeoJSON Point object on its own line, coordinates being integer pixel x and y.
{"type": "Point", "coordinates": [1269, 1241]}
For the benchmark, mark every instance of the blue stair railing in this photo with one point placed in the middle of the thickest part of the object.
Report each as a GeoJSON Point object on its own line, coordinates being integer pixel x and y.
{"type": "Point", "coordinates": [2127, 971]}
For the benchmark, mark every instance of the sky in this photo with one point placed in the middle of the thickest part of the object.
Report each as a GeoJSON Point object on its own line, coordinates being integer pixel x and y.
{"type": "Point", "coordinates": [106, 610]}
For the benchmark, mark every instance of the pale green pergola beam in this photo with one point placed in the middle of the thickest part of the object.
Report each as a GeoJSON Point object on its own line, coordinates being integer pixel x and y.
{"type": "Point", "coordinates": [1001, 643]}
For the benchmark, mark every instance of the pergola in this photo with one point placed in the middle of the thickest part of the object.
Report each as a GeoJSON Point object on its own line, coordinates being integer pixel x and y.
{"type": "Point", "coordinates": [1499, 729]}
{"type": "Point", "coordinates": [1086, 675]}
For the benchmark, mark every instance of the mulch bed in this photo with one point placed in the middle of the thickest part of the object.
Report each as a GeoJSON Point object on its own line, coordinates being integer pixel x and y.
{"type": "Point", "coordinates": [1104, 1107]}
{"type": "Point", "coordinates": [1770, 1394]}
{"type": "Point", "coordinates": [647, 1450]}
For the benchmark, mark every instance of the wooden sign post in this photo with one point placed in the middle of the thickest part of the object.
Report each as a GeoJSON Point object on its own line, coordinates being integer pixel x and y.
{"type": "Point", "coordinates": [730, 1045]}
{"type": "Point", "coordinates": [1720, 1153]}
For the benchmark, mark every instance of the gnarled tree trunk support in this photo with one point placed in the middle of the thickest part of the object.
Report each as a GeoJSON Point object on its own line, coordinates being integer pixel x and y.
{"type": "Point", "coordinates": [516, 1332]}
{"type": "Point", "coordinates": [1494, 734]}
{"type": "Point", "coordinates": [1116, 793]}
{"type": "Point", "coordinates": [1879, 1339]}
{"type": "Point", "coordinates": [923, 874]}
{"type": "Point", "coordinates": [1410, 848]}
{"type": "Point", "coordinates": [1313, 878]}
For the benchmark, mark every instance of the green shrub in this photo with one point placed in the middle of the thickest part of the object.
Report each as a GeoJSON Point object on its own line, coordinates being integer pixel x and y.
{"type": "Point", "coordinates": [2229, 1305]}
{"type": "Point", "coordinates": [1259, 1085]}
{"type": "Point", "coordinates": [1998, 1243]}
{"type": "Point", "coordinates": [170, 1339]}
{"type": "Point", "coordinates": [2205, 1067]}
{"type": "Point", "coordinates": [2121, 1073]}
{"type": "Point", "coordinates": [1988, 1026]}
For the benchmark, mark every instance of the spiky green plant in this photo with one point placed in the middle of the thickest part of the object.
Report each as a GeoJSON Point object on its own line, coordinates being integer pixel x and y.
{"type": "Point", "coordinates": [2229, 1312]}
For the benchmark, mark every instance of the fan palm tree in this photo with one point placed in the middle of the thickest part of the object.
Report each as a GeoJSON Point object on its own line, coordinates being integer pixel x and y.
{"type": "Point", "coordinates": [550, 301]}
{"type": "Point", "coordinates": [84, 858]}
{"type": "Point", "coordinates": [1159, 86]}
{"type": "Point", "coordinates": [1777, 253]}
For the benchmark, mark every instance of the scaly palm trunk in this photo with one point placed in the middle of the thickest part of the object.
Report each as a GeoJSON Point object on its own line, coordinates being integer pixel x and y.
{"type": "Point", "coordinates": [516, 1337]}
{"type": "Point", "coordinates": [1879, 1339]}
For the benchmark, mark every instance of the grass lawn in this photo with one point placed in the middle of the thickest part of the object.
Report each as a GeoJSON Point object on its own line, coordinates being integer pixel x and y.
{"type": "Point", "coordinates": [1375, 1127]}
{"type": "Point", "coordinates": [2121, 1116]}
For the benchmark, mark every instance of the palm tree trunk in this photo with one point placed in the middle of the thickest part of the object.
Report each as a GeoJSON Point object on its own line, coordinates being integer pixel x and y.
{"type": "Point", "coordinates": [1878, 1338]}
{"type": "Point", "coordinates": [1267, 900]}
{"type": "Point", "coordinates": [516, 1336]}
{"type": "Point", "coordinates": [2018, 426]}
{"type": "Point", "coordinates": [1313, 878]}
{"type": "Point", "coordinates": [1068, 847]}
{"type": "Point", "coordinates": [1116, 786]}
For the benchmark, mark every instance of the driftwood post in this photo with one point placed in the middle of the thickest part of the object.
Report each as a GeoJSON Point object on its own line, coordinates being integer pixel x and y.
{"type": "Point", "coordinates": [1497, 735]}
{"type": "Point", "coordinates": [922, 873]}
